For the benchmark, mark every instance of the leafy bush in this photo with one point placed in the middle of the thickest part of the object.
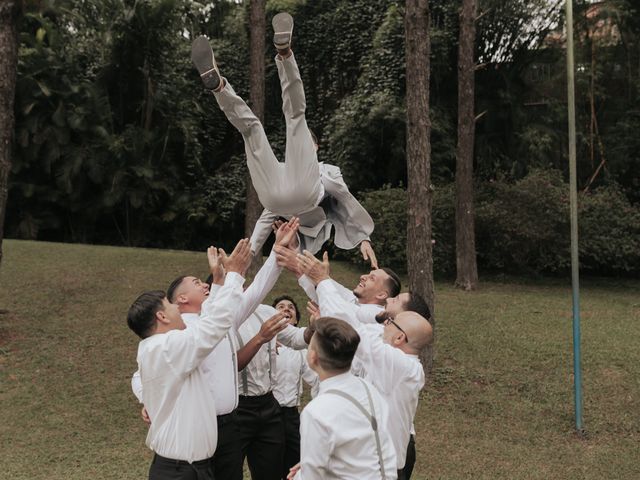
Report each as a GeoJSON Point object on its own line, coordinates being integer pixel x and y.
{"type": "Point", "coordinates": [524, 226]}
{"type": "Point", "coordinates": [521, 227]}
{"type": "Point", "coordinates": [388, 208]}
{"type": "Point", "coordinates": [609, 225]}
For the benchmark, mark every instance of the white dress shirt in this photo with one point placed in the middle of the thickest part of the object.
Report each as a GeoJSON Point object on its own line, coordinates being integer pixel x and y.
{"type": "Point", "coordinates": [398, 376]}
{"type": "Point", "coordinates": [365, 312]}
{"type": "Point", "coordinates": [292, 370]}
{"type": "Point", "coordinates": [258, 377]}
{"type": "Point", "coordinates": [221, 366]}
{"type": "Point", "coordinates": [337, 440]}
{"type": "Point", "coordinates": [176, 393]}
{"type": "Point", "coordinates": [220, 370]}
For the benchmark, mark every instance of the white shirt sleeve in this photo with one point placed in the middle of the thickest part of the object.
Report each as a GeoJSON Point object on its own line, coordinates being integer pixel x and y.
{"type": "Point", "coordinates": [332, 304]}
{"type": "Point", "coordinates": [308, 287]}
{"type": "Point", "coordinates": [344, 292]}
{"type": "Point", "coordinates": [262, 284]}
{"type": "Point", "coordinates": [316, 440]}
{"type": "Point", "coordinates": [310, 377]}
{"type": "Point", "coordinates": [262, 230]}
{"type": "Point", "coordinates": [376, 356]}
{"type": "Point", "coordinates": [292, 337]}
{"type": "Point", "coordinates": [136, 385]}
{"type": "Point", "coordinates": [184, 350]}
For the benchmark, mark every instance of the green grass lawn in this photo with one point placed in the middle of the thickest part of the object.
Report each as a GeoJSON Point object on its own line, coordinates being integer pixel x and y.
{"type": "Point", "coordinates": [500, 404]}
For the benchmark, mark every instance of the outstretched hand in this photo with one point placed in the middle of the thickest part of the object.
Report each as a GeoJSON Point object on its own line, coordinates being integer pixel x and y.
{"type": "Point", "coordinates": [215, 265]}
{"type": "Point", "coordinates": [288, 258]}
{"type": "Point", "coordinates": [286, 233]}
{"type": "Point", "coordinates": [368, 254]}
{"type": "Point", "coordinates": [272, 327]}
{"type": "Point", "coordinates": [316, 270]}
{"type": "Point", "coordinates": [240, 258]}
{"type": "Point", "coordinates": [314, 311]}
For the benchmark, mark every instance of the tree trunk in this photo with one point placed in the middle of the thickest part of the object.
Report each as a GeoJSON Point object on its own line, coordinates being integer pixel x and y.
{"type": "Point", "coordinates": [257, 32]}
{"type": "Point", "coordinates": [466, 266]}
{"type": "Point", "coordinates": [419, 253]}
{"type": "Point", "coordinates": [9, 11]}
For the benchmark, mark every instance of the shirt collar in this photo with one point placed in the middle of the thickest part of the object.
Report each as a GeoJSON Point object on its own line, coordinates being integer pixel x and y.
{"type": "Point", "coordinates": [335, 382]}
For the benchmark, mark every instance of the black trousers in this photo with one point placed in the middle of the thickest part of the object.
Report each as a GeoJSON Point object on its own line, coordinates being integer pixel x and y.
{"type": "Point", "coordinates": [167, 469]}
{"type": "Point", "coordinates": [405, 473]}
{"type": "Point", "coordinates": [291, 419]}
{"type": "Point", "coordinates": [227, 461]}
{"type": "Point", "coordinates": [261, 433]}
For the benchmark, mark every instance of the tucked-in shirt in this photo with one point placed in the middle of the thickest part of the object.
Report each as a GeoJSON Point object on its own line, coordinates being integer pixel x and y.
{"type": "Point", "coordinates": [365, 312]}
{"type": "Point", "coordinates": [398, 376]}
{"type": "Point", "coordinates": [337, 439]}
{"type": "Point", "coordinates": [292, 370]}
{"type": "Point", "coordinates": [176, 394]}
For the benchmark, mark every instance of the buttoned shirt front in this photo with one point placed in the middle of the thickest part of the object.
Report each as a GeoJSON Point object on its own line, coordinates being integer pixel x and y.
{"type": "Point", "coordinates": [289, 376]}
{"type": "Point", "coordinates": [176, 394]}
{"type": "Point", "coordinates": [398, 376]}
{"type": "Point", "coordinates": [337, 439]}
{"type": "Point", "coordinates": [257, 377]}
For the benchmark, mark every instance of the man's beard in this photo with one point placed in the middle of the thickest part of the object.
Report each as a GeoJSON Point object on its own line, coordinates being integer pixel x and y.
{"type": "Point", "coordinates": [382, 316]}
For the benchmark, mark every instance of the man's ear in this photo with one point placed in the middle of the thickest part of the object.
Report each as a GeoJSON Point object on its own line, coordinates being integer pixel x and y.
{"type": "Point", "coordinates": [382, 296]}
{"type": "Point", "coordinates": [181, 299]}
{"type": "Point", "coordinates": [161, 317]}
{"type": "Point", "coordinates": [398, 338]}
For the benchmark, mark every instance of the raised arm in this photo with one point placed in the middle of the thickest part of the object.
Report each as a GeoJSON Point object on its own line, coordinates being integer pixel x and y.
{"type": "Point", "coordinates": [261, 231]}
{"type": "Point", "coordinates": [268, 330]}
{"type": "Point", "coordinates": [268, 275]}
{"type": "Point", "coordinates": [185, 349]}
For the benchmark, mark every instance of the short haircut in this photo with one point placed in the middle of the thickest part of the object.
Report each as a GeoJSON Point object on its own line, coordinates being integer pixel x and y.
{"type": "Point", "coordinates": [417, 304]}
{"type": "Point", "coordinates": [173, 286]}
{"type": "Point", "coordinates": [287, 297]}
{"type": "Point", "coordinates": [393, 283]}
{"type": "Point", "coordinates": [337, 342]}
{"type": "Point", "coordinates": [141, 317]}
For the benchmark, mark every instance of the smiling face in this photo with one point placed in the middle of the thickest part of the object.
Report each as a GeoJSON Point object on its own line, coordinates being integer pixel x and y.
{"type": "Point", "coordinates": [372, 288]}
{"type": "Point", "coordinates": [191, 292]}
{"type": "Point", "coordinates": [289, 309]}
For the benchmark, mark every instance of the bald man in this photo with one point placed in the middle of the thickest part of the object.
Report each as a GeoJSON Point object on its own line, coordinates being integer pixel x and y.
{"type": "Point", "coordinates": [391, 360]}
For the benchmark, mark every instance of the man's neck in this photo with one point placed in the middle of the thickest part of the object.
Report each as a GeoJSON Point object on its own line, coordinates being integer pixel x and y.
{"type": "Point", "coordinates": [325, 375]}
{"type": "Point", "coordinates": [186, 308]}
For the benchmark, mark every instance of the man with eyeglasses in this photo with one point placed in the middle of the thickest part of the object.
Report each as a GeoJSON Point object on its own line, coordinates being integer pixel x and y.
{"type": "Point", "coordinates": [391, 360]}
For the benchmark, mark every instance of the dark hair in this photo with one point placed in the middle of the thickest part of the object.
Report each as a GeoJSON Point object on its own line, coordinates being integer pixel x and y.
{"type": "Point", "coordinates": [141, 317]}
{"type": "Point", "coordinates": [417, 304]}
{"type": "Point", "coordinates": [287, 297]}
{"type": "Point", "coordinates": [337, 342]}
{"type": "Point", "coordinates": [393, 283]}
{"type": "Point", "coordinates": [173, 286]}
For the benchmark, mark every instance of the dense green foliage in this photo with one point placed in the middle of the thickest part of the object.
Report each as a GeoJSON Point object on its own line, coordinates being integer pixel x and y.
{"type": "Point", "coordinates": [116, 142]}
{"type": "Point", "coordinates": [521, 226]}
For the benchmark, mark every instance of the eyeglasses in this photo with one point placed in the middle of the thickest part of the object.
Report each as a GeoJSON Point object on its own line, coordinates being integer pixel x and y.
{"type": "Point", "coordinates": [389, 320]}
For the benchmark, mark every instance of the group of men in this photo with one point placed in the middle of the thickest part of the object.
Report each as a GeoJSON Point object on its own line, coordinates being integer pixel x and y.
{"type": "Point", "coordinates": [220, 373]}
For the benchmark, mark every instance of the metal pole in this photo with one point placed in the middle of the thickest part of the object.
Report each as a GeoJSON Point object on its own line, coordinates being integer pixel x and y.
{"type": "Point", "coordinates": [575, 275]}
